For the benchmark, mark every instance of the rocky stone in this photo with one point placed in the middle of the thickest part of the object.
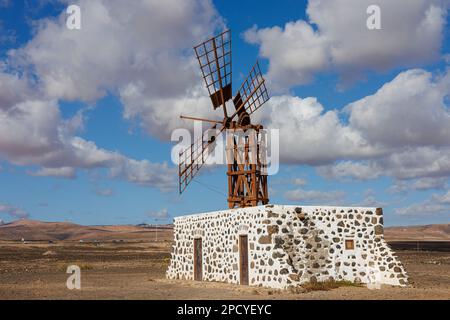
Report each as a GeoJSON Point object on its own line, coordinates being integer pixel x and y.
{"type": "Point", "coordinates": [272, 229]}
{"type": "Point", "coordinates": [265, 240]}
{"type": "Point", "coordinates": [294, 277]}
{"type": "Point", "coordinates": [301, 216]}
{"type": "Point", "coordinates": [272, 214]}
{"type": "Point", "coordinates": [278, 243]}
{"type": "Point", "coordinates": [277, 255]}
{"type": "Point", "coordinates": [378, 229]}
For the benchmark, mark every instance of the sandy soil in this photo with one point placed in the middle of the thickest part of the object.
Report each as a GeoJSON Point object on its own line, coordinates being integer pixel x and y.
{"type": "Point", "coordinates": [136, 270]}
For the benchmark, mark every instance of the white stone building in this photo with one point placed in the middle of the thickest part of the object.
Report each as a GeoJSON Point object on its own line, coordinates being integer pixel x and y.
{"type": "Point", "coordinates": [280, 246]}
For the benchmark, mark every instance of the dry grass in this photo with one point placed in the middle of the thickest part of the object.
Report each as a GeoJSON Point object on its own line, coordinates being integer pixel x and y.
{"type": "Point", "coordinates": [166, 260]}
{"type": "Point", "coordinates": [328, 285]}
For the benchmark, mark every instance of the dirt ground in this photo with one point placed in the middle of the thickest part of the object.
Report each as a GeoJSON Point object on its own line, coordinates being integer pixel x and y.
{"type": "Point", "coordinates": [136, 270]}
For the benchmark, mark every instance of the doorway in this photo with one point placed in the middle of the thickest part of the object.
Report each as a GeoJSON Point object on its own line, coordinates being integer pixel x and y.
{"type": "Point", "coordinates": [243, 259]}
{"type": "Point", "coordinates": [198, 265]}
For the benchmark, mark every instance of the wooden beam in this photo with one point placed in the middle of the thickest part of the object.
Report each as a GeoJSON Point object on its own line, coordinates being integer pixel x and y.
{"type": "Point", "coordinates": [200, 119]}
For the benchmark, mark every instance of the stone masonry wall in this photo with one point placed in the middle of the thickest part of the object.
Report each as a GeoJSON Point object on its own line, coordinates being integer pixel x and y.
{"type": "Point", "coordinates": [287, 246]}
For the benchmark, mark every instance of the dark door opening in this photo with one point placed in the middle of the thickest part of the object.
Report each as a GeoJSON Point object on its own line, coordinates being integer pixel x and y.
{"type": "Point", "coordinates": [198, 266]}
{"type": "Point", "coordinates": [243, 259]}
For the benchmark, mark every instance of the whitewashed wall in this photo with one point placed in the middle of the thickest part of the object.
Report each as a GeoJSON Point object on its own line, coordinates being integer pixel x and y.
{"type": "Point", "coordinates": [288, 245]}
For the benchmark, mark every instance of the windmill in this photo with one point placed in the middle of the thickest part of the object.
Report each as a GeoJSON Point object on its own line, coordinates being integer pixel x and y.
{"type": "Point", "coordinates": [247, 174]}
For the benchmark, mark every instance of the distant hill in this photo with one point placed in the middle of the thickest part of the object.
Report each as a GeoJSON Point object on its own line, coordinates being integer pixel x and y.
{"type": "Point", "coordinates": [53, 231]}
{"type": "Point", "coordinates": [437, 232]}
{"type": "Point", "coordinates": [57, 231]}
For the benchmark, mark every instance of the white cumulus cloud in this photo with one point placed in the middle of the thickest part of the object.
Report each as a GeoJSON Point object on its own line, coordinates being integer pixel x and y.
{"type": "Point", "coordinates": [336, 38]}
{"type": "Point", "coordinates": [136, 50]}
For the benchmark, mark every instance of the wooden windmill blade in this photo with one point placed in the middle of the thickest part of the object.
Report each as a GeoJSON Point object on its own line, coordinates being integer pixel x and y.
{"type": "Point", "coordinates": [193, 157]}
{"type": "Point", "coordinates": [252, 93]}
{"type": "Point", "coordinates": [214, 57]}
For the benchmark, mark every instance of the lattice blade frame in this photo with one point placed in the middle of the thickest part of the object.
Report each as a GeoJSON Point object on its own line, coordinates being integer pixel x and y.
{"type": "Point", "coordinates": [252, 93]}
{"type": "Point", "coordinates": [214, 57]}
{"type": "Point", "coordinates": [193, 157]}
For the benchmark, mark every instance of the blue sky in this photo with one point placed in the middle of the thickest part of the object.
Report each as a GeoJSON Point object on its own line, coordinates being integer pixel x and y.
{"type": "Point", "coordinates": [95, 147]}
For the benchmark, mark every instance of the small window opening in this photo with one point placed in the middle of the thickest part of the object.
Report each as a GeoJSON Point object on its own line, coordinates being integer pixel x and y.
{"type": "Point", "coordinates": [349, 244]}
